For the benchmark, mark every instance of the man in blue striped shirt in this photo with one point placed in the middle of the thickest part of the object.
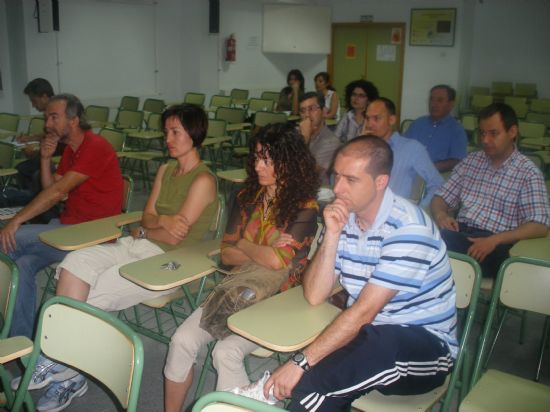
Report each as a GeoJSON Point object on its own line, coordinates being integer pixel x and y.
{"type": "Point", "coordinates": [398, 333]}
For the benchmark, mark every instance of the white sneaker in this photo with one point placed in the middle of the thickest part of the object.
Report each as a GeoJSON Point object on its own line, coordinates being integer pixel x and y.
{"type": "Point", "coordinates": [60, 394]}
{"type": "Point", "coordinates": [256, 390]}
{"type": "Point", "coordinates": [45, 372]}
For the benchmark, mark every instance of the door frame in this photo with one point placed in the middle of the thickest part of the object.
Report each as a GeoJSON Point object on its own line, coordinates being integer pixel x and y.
{"type": "Point", "coordinates": [330, 58]}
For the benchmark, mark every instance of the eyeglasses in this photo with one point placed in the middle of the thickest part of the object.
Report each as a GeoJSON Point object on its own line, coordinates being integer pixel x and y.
{"type": "Point", "coordinates": [309, 109]}
{"type": "Point", "coordinates": [360, 95]}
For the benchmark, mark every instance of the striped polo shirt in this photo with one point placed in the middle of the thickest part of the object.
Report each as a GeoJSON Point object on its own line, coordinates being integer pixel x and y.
{"type": "Point", "coordinates": [403, 250]}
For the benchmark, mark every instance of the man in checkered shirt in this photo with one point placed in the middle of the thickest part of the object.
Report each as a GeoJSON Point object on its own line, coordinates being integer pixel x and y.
{"type": "Point", "coordinates": [500, 194]}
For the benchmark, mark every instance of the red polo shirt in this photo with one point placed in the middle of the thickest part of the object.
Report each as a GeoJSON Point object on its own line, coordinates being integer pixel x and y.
{"type": "Point", "coordinates": [101, 194]}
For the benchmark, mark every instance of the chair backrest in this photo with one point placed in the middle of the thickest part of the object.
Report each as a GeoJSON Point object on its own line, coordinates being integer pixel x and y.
{"type": "Point", "coordinates": [97, 113]}
{"type": "Point", "coordinates": [469, 122]}
{"type": "Point", "coordinates": [153, 105]}
{"type": "Point", "coordinates": [229, 402]}
{"type": "Point", "coordinates": [154, 121]}
{"type": "Point", "coordinates": [36, 126]}
{"type": "Point", "coordinates": [528, 90]}
{"type": "Point", "coordinates": [194, 98]}
{"type": "Point", "coordinates": [239, 94]}
{"type": "Point", "coordinates": [530, 129]}
{"type": "Point", "coordinates": [9, 122]}
{"type": "Point", "coordinates": [218, 101]}
{"type": "Point", "coordinates": [255, 105]}
{"type": "Point", "coordinates": [129, 103]}
{"type": "Point", "coordinates": [479, 90]}
{"type": "Point", "coordinates": [7, 155]}
{"type": "Point", "coordinates": [480, 101]}
{"type": "Point", "coordinates": [313, 247]}
{"type": "Point", "coordinates": [217, 226]}
{"type": "Point", "coordinates": [115, 137]}
{"type": "Point", "coordinates": [93, 341]}
{"type": "Point", "coordinates": [267, 95]}
{"type": "Point", "coordinates": [127, 191]}
{"type": "Point", "coordinates": [502, 88]}
{"type": "Point", "coordinates": [129, 119]}
{"type": "Point", "coordinates": [521, 283]}
{"type": "Point", "coordinates": [540, 105]}
{"type": "Point", "coordinates": [231, 114]}
{"type": "Point", "coordinates": [539, 118]}
{"type": "Point", "coordinates": [9, 281]}
{"type": "Point", "coordinates": [405, 125]}
{"type": "Point", "coordinates": [216, 128]}
{"type": "Point", "coordinates": [263, 118]}
{"type": "Point", "coordinates": [417, 190]}
{"type": "Point", "coordinates": [466, 274]}
{"type": "Point", "coordinates": [519, 104]}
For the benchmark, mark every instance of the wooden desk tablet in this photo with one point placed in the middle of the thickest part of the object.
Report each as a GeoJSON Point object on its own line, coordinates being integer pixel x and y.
{"type": "Point", "coordinates": [151, 274]}
{"type": "Point", "coordinates": [532, 248]}
{"type": "Point", "coordinates": [285, 322]}
{"type": "Point", "coordinates": [74, 237]}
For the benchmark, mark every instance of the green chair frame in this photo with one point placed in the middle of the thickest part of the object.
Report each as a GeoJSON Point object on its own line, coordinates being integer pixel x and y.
{"type": "Point", "coordinates": [467, 278]}
{"type": "Point", "coordinates": [521, 284]}
{"type": "Point", "coordinates": [265, 105]}
{"type": "Point", "coordinates": [36, 126]}
{"type": "Point", "coordinates": [115, 137]}
{"type": "Point", "coordinates": [231, 114]}
{"type": "Point", "coordinates": [219, 101]}
{"type": "Point", "coordinates": [129, 103]}
{"type": "Point", "coordinates": [239, 94]}
{"type": "Point", "coordinates": [129, 120]}
{"type": "Point", "coordinates": [531, 129]}
{"type": "Point", "coordinates": [269, 95]}
{"type": "Point", "coordinates": [229, 402]}
{"type": "Point", "coordinates": [540, 106]}
{"type": "Point", "coordinates": [9, 122]}
{"type": "Point", "coordinates": [91, 340]}
{"type": "Point", "coordinates": [97, 113]}
{"type": "Point", "coordinates": [9, 281]}
{"type": "Point", "coordinates": [480, 101]}
{"type": "Point", "coordinates": [153, 105]}
{"type": "Point", "coordinates": [263, 118]}
{"type": "Point", "coordinates": [195, 98]}
{"type": "Point", "coordinates": [519, 104]}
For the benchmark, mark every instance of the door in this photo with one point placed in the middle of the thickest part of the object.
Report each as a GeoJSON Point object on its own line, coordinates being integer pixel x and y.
{"type": "Point", "coordinates": [371, 51]}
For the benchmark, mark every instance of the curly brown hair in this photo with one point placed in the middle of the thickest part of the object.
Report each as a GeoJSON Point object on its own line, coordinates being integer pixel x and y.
{"type": "Point", "coordinates": [295, 170]}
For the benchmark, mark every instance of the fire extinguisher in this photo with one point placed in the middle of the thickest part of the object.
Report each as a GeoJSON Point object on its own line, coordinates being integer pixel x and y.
{"type": "Point", "coordinates": [230, 48]}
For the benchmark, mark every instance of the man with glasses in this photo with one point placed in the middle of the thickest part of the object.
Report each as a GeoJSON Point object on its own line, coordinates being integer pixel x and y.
{"type": "Point", "coordinates": [500, 192]}
{"type": "Point", "coordinates": [322, 142]}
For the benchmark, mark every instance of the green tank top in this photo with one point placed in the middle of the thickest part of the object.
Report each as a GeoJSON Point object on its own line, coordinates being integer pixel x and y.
{"type": "Point", "coordinates": [173, 194]}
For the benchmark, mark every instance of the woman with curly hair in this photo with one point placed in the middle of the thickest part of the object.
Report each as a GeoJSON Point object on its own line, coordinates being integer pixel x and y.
{"type": "Point", "coordinates": [270, 229]}
{"type": "Point", "coordinates": [358, 95]}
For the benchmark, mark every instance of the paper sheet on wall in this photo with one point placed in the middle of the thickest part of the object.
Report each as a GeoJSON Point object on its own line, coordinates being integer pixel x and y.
{"type": "Point", "coordinates": [385, 52]}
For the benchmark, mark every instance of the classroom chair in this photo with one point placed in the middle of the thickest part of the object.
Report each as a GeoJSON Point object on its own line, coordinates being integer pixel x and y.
{"type": "Point", "coordinates": [229, 402]}
{"type": "Point", "coordinates": [128, 103]}
{"type": "Point", "coordinates": [194, 98]}
{"type": "Point", "coordinates": [519, 104]}
{"type": "Point", "coordinates": [239, 95]}
{"type": "Point", "coordinates": [219, 101]}
{"type": "Point", "coordinates": [467, 278]}
{"type": "Point", "coordinates": [256, 105]}
{"type": "Point", "coordinates": [97, 115]}
{"type": "Point", "coordinates": [405, 125]}
{"type": "Point", "coordinates": [528, 90]}
{"type": "Point", "coordinates": [90, 340]}
{"type": "Point", "coordinates": [9, 122]}
{"type": "Point", "coordinates": [153, 105]}
{"type": "Point", "coordinates": [36, 126]}
{"type": "Point", "coordinates": [540, 106]}
{"type": "Point", "coordinates": [521, 284]}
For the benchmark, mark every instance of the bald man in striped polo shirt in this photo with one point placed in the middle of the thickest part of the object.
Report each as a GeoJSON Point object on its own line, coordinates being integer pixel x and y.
{"type": "Point", "coordinates": [398, 332]}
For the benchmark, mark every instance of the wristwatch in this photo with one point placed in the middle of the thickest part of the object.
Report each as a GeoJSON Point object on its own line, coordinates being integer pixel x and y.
{"type": "Point", "coordinates": [142, 233]}
{"type": "Point", "coordinates": [300, 359]}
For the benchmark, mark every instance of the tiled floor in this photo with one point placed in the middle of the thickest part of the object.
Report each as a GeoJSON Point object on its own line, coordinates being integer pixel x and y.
{"type": "Point", "coordinates": [509, 356]}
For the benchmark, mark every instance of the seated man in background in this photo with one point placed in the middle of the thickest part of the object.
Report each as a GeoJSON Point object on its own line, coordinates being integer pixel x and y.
{"type": "Point", "coordinates": [410, 157]}
{"type": "Point", "coordinates": [500, 192]}
{"type": "Point", "coordinates": [443, 137]}
{"type": "Point", "coordinates": [88, 176]}
{"type": "Point", "coordinates": [322, 142]}
{"type": "Point", "coordinates": [390, 258]}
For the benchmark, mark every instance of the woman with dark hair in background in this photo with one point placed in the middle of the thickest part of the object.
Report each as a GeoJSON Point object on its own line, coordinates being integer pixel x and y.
{"type": "Point", "coordinates": [289, 98]}
{"type": "Point", "coordinates": [358, 95]}
{"type": "Point", "coordinates": [323, 86]}
{"type": "Point", "coordinates": [268, 236]}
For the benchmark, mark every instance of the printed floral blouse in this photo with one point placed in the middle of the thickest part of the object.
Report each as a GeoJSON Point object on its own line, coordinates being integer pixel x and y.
{"type": "Point", "coordinates": [248, 221]}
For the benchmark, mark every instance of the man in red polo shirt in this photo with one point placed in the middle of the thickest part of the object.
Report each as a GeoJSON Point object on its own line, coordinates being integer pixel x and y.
{"type": "Point", "coordinates": [88, 177]}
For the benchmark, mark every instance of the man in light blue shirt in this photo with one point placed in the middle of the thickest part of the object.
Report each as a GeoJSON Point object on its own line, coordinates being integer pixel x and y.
{"type": "Point", "coordinates": [443, 137]}
{"type": "Point", "coordinates": [410, 158]}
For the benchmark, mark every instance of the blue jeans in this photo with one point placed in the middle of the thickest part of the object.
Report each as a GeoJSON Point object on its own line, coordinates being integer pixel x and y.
{"type": "Point", "coordinates": [458, 242]}
{"type": "Point", "coordinates": [31, 256]}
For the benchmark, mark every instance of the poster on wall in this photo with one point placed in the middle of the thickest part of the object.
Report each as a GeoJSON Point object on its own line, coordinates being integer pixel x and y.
{"type": "Point", "coordinates": [432, 27]}
{"type": "Point", "coordinates": [351, 51]}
